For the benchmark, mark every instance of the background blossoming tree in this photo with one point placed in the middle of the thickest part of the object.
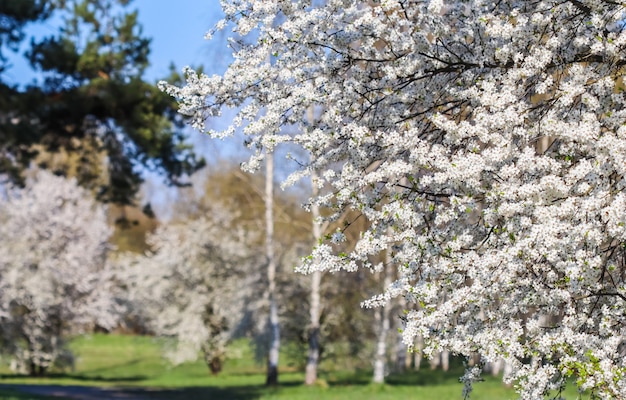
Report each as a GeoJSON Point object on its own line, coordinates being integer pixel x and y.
{"type": "Point", "coordinates": [485, 144]}
{"type": "Point", "coordinates": [193, 286]}
{"type": "Point", "coordinates": [53, 279]}
{"type": "Point", "coordinates": [203, 281]}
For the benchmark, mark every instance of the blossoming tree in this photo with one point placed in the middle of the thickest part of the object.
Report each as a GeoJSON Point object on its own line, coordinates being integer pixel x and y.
{"type": "Point", "coordinates": [195, 286]}
{"type": "Point", "coordinates": [484, 142]}
{"type": "Point", "coordinates": [53, 246]}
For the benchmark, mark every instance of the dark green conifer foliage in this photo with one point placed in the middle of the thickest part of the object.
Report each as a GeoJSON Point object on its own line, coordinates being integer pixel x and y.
{"type": "Point", "coordinates": [93, 99]}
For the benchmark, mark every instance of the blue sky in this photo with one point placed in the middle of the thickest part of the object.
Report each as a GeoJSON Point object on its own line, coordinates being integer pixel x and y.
{"type": "Point", "coordinates": [177, 30]}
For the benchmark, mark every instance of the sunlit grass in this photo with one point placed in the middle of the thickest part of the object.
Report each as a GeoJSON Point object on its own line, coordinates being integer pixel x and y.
{"type": "Point", "coordinates": [136, 362]}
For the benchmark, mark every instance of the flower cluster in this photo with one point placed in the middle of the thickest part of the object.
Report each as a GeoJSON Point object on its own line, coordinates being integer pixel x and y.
{"type": "Point", "coordinates": [484, 141]}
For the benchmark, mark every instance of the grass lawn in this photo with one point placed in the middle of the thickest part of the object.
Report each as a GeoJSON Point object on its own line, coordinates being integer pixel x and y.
{"type": "Point", "coordinates": [135, 362]}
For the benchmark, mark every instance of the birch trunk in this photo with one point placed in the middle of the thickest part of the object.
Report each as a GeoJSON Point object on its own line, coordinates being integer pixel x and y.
{"type": "Point", "coordinates": [496, 367]}
{"type": "Point", "coordinates": [418, 355]}
{"type": "Point", "coordinates": [445, 360]}
{"type": "Point", "coordinates": [401, 358]}
{"type": "Point", "coordinates": [402, 361]}
{"type": "Point", "coordinates": [381, 346]}
{"type": "Point", "coordinates": [435, 362]}
{"type": "Point", "coordinates": [272, 361]}
{"type": "Point", "coordinates": [314, 311]}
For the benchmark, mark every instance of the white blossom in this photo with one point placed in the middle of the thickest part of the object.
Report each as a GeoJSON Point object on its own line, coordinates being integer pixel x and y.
{"type": "Point", "coordinates": [483, 141]}
{"type": "Point", "coordinates": [193, 286]}
{"type": "Point", "coordinates": [53, 276]}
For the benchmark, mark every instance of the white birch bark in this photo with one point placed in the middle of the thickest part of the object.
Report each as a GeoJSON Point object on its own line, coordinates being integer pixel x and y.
{"type": "Point", "coordinates": [418, 355]}
{"type": "Point", "coordinates": [381, 345]}
{"type": "Point", "coordinates": [445, 360]}
{"type": "Point", "coordinates": [496, 367]}
{"type": "Point", "coordinates": [314, 311]}
{"type": "Point", "coordinates": [272, 362]}
{"type": "Point", "coordinates": [401, 354]}
{"type": "Point", "coordinates": [435, 362]}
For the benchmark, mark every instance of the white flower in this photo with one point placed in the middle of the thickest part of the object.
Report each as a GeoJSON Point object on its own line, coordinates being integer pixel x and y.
{"type": "Point", "coordinates": [483, 141]}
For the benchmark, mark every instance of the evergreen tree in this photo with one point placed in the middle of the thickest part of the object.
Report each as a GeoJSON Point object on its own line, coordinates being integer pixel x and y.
{"type": "Point", "coordinates": [93, 101]}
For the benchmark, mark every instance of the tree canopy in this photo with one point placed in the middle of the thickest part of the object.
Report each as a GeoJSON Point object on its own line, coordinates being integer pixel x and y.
{"type": "Point", "coordinates": [93, 101]}
{"type": "Point", "coordinates": [52, 263]}
{"type": "Point", "coordinates": [485, 144]}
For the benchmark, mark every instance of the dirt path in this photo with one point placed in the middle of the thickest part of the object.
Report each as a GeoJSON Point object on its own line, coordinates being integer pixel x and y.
{"type": "Point", "coordinates": [82, 392]}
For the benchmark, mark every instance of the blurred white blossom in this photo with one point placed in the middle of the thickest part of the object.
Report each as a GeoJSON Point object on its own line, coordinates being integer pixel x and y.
{"type": "Point", "coordinates": [194, 286]}
{"type": "Point", "coordinates": [53, 248]}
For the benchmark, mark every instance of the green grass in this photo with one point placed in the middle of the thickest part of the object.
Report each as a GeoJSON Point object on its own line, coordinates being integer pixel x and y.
{"type": "Point", "coordinates": [135, 362]}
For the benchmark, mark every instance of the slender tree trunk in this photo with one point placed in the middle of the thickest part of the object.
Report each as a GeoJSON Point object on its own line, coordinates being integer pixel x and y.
{"type": "Point", "coordinates": [435, 362]}
{"type": "Point", "coordinates": [445, 360]}
{"type": "Point", "coordinates": [507, 370]}
{"type": "Point", "coordinates": [314, 345]}
{"type": "Point", "coordinates": [314, 311]}
{"type": "Point", "coordinates": [496, 367]}
{"type": "Point", "coordinates": [400, 354]}
{"type": "Point", "coordinates": [33, 369]}
{"type": "Point", "coordinates": [418, 355]}
{"type": "Point", "coordinates": [315, 306]}
{"type": "Point", "coordinates": [401, 348]}
{"type": "Point", "coordinates": [381, 346]}
{"type": "Point", "coordinates": [272, 361]}
{"type": "Point", "coordinates": [409, 361]}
